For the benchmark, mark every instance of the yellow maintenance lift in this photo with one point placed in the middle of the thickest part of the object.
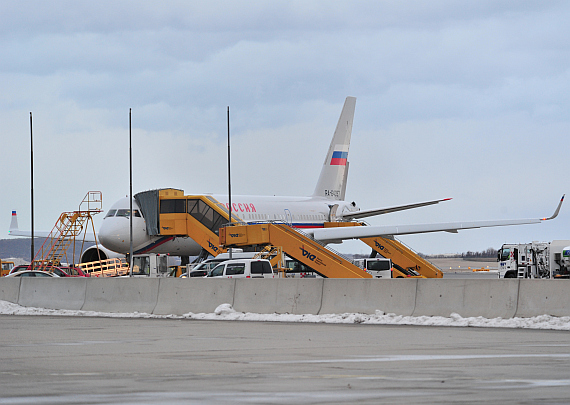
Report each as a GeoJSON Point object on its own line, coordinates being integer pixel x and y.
{"type": "Point", "coordinates": [68, 227]}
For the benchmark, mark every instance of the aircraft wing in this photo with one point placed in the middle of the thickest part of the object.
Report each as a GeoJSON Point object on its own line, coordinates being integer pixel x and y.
{"type": "Point", "coordinates": [332, 235]}
{"type": "Point", "coordinates": [380, 211]}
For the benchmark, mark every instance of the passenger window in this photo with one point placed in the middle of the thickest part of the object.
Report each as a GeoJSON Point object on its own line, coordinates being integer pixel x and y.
{"type": "Point", "coordinates": [233, 269]}
{"type": "Point", "coordinates": [218, 271]}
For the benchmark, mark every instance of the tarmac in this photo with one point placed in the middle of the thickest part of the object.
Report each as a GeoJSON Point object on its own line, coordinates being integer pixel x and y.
{"type": "Point", "coordinates": [455, 264]}
{"type": "Point", "coordinates": [75, 360]}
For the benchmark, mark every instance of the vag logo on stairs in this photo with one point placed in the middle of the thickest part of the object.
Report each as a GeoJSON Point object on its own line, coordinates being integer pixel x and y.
{"type": "Point", "coordinates": [312, 257]}
{"type": "Point", "coordinates": [308, 255]}
{"type": "Point", "coordinates": [379, 246]}
{"type": "Point", "coordinates": [212, 246]}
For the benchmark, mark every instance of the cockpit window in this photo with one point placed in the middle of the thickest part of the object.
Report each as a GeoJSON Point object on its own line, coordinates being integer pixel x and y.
{"type": "Point", "coordinates": [111, 213]}
{"type": "Point", "coordinates": [504, 254]}
{"type": "Point", "coordinates": [126, 213]}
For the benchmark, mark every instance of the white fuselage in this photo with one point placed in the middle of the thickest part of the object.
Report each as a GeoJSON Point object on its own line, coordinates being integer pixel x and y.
{"type": "Point", "coordinates": [300, 212]}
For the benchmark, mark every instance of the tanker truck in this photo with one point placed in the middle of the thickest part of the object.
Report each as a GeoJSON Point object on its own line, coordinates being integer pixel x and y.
{"type": "Point", "coordinates": [535, 260]}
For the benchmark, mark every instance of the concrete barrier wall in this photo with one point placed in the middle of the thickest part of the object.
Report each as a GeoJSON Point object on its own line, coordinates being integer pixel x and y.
{"type": "Point", "coordinates": [52, 293]}
{"type": "Point", "coordinates": [121, 294]}
{"type": "Point", "coordinates": [292, 296]}
{"type": "Point", "coordinates": [487, 298]}
{"type": "Point", "coordinates": [544, 297]}
{"type": "Point", "coordinates": [197, 295]}
{"type": "Point", "coordinates": [9, 289]}
{"type": "Point", "coordinates": [366, 296]}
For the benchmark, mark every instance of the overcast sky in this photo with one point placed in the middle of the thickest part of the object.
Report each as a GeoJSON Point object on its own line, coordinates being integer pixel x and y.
{"type": "Point", "coordinates": [461, 99]}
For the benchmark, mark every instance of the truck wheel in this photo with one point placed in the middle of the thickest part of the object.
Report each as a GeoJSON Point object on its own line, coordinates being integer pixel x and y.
{"type": "Point", "coordinates": [510, 274]}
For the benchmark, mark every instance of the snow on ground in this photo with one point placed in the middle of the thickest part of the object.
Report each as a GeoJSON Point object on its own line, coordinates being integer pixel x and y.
{"type": "Point", "coordinates": [225, 312]}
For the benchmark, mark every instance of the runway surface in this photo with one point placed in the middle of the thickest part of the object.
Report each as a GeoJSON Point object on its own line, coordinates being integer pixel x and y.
{"type": "Point", "coordinates": [76, 360]}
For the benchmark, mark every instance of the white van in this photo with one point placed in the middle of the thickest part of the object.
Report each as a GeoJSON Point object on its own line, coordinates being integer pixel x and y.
{"type": "Point", "coordinates": [203, 268]}
{"type": "Point", "coordinates": [243, 268]}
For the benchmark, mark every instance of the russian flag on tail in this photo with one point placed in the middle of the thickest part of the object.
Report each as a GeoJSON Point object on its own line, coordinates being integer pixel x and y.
{"type": "Point", "coordinates": [339, 158]}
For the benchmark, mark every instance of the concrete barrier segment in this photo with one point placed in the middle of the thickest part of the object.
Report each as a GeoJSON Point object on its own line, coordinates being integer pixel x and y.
{"type": "Point", "coordinates": [543, 297]}
{"type": "Point", "coordinates": [53, 293]}
{"type": "Point", "coordinates": [396, 296]}
{"type": "Point", "coordinates": [179, 296]}
{"type": "Point", "coordinates": [466, 297]}
{"type": "Point", "coordinates": [10, 289]}
{"type": "Point", "coordinates": [282, 296]}
{"type": "Point", "coordinates": [115, 294]}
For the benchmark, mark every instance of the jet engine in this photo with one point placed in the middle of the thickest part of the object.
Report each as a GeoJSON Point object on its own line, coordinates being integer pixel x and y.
{"type": "Point", "coordinates": [98, 252]}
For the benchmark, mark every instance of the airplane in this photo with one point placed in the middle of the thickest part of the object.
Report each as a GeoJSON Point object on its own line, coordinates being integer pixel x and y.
{"type": "Point", "coordinates": [326, 204]}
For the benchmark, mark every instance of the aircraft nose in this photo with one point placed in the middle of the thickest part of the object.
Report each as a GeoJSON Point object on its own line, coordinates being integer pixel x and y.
{"type": "Point", "coordinates": [114, 234]}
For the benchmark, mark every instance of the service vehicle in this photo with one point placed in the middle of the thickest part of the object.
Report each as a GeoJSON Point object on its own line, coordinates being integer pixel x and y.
{"type": "Point", "coordinates": [176, 271]}
{"type": "Point", "coordinates": [535, 260]}
{"type": "Point", "coordinates": [296, 269]}
{"type": "Point", "coordinates": [196, 273]}
{"type": "Point", "coordinates": [212, 262]}
{"type": "Point", "coordinates": [206, 266]}
{"type": "Point", "coordinates": [377, 267]}
{"type": "Point", "coordinates": [5, 267]}
{"type": "Point", "coordinates": [150, 265]}
{"type": "Point", "coordinates": [243, 268]}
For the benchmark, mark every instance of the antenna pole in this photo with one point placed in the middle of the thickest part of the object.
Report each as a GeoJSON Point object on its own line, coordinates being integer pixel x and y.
{"type": "Point", "coordinates": [229, 179]}
{"type": "Point", "coordinates": [32, 184]}
{"type": "Point", "coordinates": [131, 198]}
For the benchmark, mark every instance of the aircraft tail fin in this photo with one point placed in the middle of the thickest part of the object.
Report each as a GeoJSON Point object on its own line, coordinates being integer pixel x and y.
{"type": "Point", "coordinates": [332, 180]}
{"type": "Point", "coordinates": [14, 222]}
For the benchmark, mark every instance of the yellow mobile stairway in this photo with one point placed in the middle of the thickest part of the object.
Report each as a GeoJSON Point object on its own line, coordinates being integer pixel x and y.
{"type": "Point", "coordinates": [198, 217]}
{"type": "Point", "coordinates": [403, 258]}
{"type": "Point", "coordinates": [67, 228]}
{"type": "Point", "coordinates": [405, 261]}
{"type": "Point", "coordinates": [298, 246]}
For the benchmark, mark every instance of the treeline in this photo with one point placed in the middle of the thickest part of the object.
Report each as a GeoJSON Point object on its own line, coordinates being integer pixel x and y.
{"type": "Point", "coordinates": [486, 254]}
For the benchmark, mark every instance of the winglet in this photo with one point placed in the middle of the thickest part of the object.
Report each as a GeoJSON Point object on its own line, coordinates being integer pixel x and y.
{"type": "Point", "coordinates": [13, 223]}
{"type": "Point", "coordinates": [557, 210]}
